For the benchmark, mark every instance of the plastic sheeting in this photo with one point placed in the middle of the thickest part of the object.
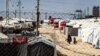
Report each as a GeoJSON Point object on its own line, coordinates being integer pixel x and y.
{"type": "Point", "coordinates": [90, 35]}
{"type": "Point", "coordinates": [67, 30]}
{"type": "Point", "coordinates": [86, 23]}
{"type": "Point", "coordinates": [89, 30]}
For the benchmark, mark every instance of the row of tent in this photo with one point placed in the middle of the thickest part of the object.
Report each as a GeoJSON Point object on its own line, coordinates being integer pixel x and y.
{"type": "Point", "coordinates": [36, 46]}
{"type": "Point", "coordinates": [87, 29]}
{"type": "Point", "coordinates": [91, 35]}
{"type": "Point", "coordinates": [16, 22]}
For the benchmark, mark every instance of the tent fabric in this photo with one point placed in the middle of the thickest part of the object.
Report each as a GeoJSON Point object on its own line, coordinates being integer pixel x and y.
{"type": "Point", "coordinates": [86, 34]}
{"type": "Point", "coordinates": [3, 38]}
{"type": "Point", "coordinates": [10, 49]}
{"type": "Point", "coordinates": [91, 35]}
{"type": "Point", "coordinates": [36, 47]}
{"type": "Point", "coordinates": [84, 22]}
{"type": "Point", "coordinates": [89, 30]}
{"type": "Point", "coordinates": [41, 47]}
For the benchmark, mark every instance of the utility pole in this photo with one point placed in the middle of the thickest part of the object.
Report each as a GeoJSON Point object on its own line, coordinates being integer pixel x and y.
{"type": "Point", "coordinates": [15, 13]}
{"type": "Point", "coordinates": [19, 4]}
{"type": "Point", "coordinates": [38, 16]}
{"type": "Point", "coordinates": [32, 15]}
{"type": "Point", "coordinates": [46, 15]}
{"type": "Point", "coordinates": [7, 11]}
{"type": "Point", "coordinates": [84, 14]}
{"type": "Point", "coordinates": [87, 11]}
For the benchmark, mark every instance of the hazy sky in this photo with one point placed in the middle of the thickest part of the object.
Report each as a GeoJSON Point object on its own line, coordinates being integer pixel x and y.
{"type": "Point", "coordinates": [52, 5]}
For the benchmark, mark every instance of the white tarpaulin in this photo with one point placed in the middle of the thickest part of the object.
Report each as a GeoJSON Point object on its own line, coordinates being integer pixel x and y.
{"type": "Point", "coordinates": [91, 35]}
{"type": "Point", "coordinates": [89, 30]}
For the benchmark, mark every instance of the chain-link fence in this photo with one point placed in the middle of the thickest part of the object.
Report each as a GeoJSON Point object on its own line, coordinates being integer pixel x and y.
{"type": "Point", "coordinates": [35, 47]}
{"type": "Point", "coordinates": [11, 49]}
{"type": "Point", "coordinates": [43, 15]}
{"type": "Point", "coordinates": [16, 14]}
{"type": "Point", "coordinates": [42, 50]}
{"type": "Point", "coordinates": [80, 48]}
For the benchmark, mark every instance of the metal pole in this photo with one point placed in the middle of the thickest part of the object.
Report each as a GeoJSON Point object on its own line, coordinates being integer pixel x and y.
{"type": "Point", "coordinates": [87, 11]}
{"type": "Point", "coordinates": [46, 15]}
{"type": "Point", "coordinates": [38, 16]}
{"type": "Point", "coordinates": [15, 13]}
{"type": "Point", "coordinates": [19, 3]}
{"type": "Point", "coordinates": [7, 11]}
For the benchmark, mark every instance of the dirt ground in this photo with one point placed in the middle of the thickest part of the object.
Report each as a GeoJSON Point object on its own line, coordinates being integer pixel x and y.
{"type": "Point", "coordinates": [65, 49]}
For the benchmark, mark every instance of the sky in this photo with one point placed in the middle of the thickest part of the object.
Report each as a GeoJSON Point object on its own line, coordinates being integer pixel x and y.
{"type": "Point", "coordinates": [65, 6]}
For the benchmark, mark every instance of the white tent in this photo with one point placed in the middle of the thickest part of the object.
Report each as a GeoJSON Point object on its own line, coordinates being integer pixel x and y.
{"type": "Point", "coordinates": [89, 31]}
{"type": "Point", "coordinates": [47, 47]}
{"type": "Point", "coordinates": [91, 35]}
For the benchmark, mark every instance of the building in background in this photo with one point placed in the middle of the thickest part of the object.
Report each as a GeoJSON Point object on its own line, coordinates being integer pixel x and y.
{"type": "Point", "coordinates": [95, 11]}
{"type": "Point", "coordinates": [79, 14]}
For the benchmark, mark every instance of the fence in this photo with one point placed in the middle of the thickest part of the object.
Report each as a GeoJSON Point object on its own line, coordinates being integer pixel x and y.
{"type": "Point", "coordinates": [81, 49]}
{"type": "Point", "coordinates": [43, 15]}
{"type": "Point", "coordinates": [9, 49]}
{"type": "Point", "coordinates": [37, 47]}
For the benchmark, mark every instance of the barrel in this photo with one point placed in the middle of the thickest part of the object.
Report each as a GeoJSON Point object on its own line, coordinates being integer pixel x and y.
{"type": "Point", "coordinates": [50, 20]}
{"type": "Point", "coordinates": [56, 23]}
{"type": "Point", "coordinates": [62, 24]}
